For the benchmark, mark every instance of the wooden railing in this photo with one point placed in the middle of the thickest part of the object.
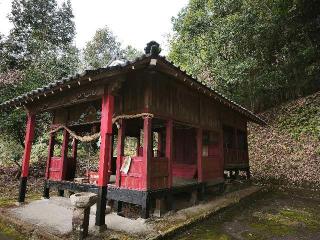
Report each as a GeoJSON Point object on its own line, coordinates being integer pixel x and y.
{"type": "Point", "coordinates": [235, 156]}
{"type": "Point", "coordinates": [158, 174]}
{"type": "Point", "coordinates": [133, 179]}
{"type": "Point", "coordinates": [212, 168]}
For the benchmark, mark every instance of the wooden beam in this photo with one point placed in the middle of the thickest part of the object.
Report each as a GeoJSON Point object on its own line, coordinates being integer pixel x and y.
{"type": "Point", "coordinates": [31, 120]}
{"type": "Point", "coordinates": [120, 150]}
{"type": "Point", "coordinates": [147, 152]}
{"type": "Point", "coordinates": [169, 152]}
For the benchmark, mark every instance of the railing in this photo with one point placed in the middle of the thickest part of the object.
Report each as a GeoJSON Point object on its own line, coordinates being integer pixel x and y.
{"type": "Point", "coordinates": [159, 173]}
{"type": "Point", "coordinates": [212, 167]}
{"type": "Point", "coordinates": [55, 169]}
{"type": "Point", "coordinates": [235, 157]}
{"type": "Point", "coordinates": [134, 178]}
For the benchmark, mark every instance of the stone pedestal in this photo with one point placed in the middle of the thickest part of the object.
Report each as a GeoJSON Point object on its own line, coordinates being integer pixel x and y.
{"type": "Point", "coordinates": [81, 213]}
{"type": "Point", "coordinates": [160, 209]}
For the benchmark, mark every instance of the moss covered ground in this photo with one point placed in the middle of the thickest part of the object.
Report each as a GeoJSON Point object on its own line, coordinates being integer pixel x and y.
{"type": "Point", "coordinates": [273, 215]}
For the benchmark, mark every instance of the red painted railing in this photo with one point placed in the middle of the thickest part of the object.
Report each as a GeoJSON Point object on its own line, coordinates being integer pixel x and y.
{"type": "Point", "coordinates": [134, 179]}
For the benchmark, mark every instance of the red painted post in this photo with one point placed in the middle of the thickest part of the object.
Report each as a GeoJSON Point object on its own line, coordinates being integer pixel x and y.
{"type": "Point", "coordinates": [106, 136]}
{"type": "Point", "coordinates": [199, 155]}
{"type": "Point", "coordinates": [26, 155]}
{"type": "Point", "coordinates": [64, 155]}
{"type": "Point", "coordinates": [169, 156]}
{"type": "Point", "coordinates": [120, 150]}
{"type": "Point", "coordinates": [107, 109]}
{"type": "Point", "coordinates": [50, 154]}
{"type": "Point", "coordinates": [147, 152]}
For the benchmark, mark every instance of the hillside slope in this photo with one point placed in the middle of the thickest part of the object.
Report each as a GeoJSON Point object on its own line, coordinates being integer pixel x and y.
{"type": "Point", "coordinates": [287, 151]}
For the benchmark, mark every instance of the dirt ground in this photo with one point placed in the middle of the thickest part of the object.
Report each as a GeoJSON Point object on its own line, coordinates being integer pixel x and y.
{"type": "Point", "coordinates": [275, 215]}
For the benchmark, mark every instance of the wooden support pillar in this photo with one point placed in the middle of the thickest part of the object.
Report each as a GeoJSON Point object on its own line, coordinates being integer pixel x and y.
{"type": "Point", "coordinates": [47, 173]}
{"type": "Point", "coordinates": [199, 155]}
{"type": "Point", "coordinates": [160, 208]}
{"type": "Point", "coordinates": [105, 154]}
{"type": "Point", "coordinates": [26, 156]}
{"type": "Point", "coordinates": [120, 150]}
{"type": "Point", "coordinates": [194, 197]}
{"type": "Point", "coordinates": [248, 173]}
{"type": "Point", "coordinates": [138, 145]}
{"type": "Point", "coordinates": [221, 153]}
{"type": "Point", "coordinates": [75, 150]}
{"type": "Point", "coordinates": [236, 144]}
{"type": "Point", "coordinates": [147, 152]}
{"type": "Point", "coordinates": [146, 171]}
{"type": "Point", "coordinates": [169, 143]}
{"type": "Point", "coordinates": [145, 206]}
{"type": "Point", "coordinates": [118, 207]}
{"type": "Point", "coordinates": [64, 155]}
{"type": "Point", "coordinates": [50, 154]}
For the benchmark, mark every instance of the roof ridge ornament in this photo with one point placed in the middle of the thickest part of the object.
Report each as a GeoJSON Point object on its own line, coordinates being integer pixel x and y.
{"type": "Point", "coordinates": [152, 49]}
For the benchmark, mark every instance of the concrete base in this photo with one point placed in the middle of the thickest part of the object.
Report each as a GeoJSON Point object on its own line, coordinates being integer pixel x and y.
{"type": "Point", "coordinates": [99, 229]}
{"type": "Point", "coordinates": [54, 216]}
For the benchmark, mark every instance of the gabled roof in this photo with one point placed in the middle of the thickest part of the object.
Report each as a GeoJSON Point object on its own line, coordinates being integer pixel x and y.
{"type": "Point", "coordinates": [71, 81]}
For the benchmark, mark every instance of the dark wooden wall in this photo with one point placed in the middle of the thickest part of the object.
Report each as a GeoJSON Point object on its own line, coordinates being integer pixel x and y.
{"type": "Point", "coordinates": [166, 97]}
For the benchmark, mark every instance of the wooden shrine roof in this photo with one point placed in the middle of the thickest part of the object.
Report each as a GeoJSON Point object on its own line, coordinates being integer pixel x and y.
{"type": "Point", "coordinates": [71, 82]}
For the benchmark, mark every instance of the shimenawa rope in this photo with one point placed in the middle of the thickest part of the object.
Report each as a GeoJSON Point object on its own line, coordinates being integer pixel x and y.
{"type": "Point", "coordinates": [89, 138]}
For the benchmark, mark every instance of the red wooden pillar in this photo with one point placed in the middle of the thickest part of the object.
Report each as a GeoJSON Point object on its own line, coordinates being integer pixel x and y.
{"type": "Point", "coordinates": [169, 152]}
{"type": "Point", "coordinates": [105, 155]}
{"type": "Point", "coordinates": [199, 155]}
{"type": "Point", "coordinates": [50, 154]}
{"type": "Point", "coordinates": [147, 152]}
{"type": "Point", "coordinates": [26, 155]}
{"type": "Point", "coordinates": [47, 174]}
{"type": "Point", "coordinates": [64, 155]}
{"type": "Point", "coordinates": [120, 150]}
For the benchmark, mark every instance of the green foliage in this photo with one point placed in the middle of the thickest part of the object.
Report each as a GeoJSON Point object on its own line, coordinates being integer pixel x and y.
{"type": "Point", "coordinates": [257, 52]}
{"type": "Point", "coordinates": [104, 48]}
{"type": "Point", "coordinates": [38, 50]}
{"type": "Point", "coordinates": [101, 49]}
{"type": "Point", "coordinates": [10, 151]}
{"type": "Point", "coordinates": [304, 120]}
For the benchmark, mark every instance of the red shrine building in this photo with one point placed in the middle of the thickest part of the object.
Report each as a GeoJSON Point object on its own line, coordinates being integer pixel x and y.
{"type": "Point", "coordinates": [185, 134]}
